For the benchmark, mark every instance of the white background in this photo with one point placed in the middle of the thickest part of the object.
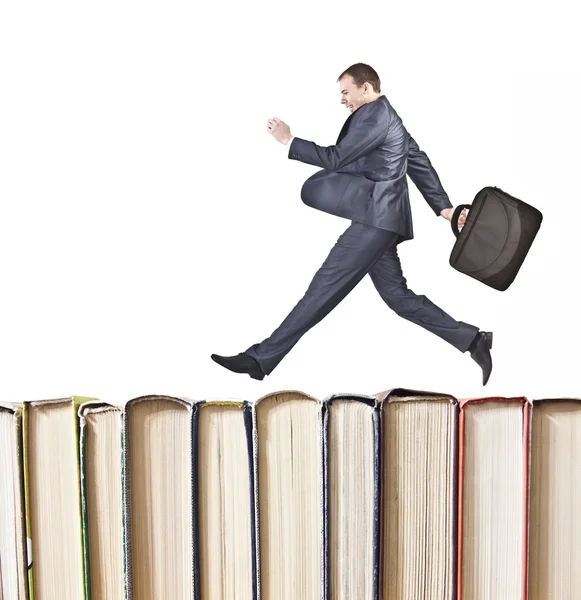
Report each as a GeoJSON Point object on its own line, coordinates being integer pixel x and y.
{"type": "Point", "coordinates": [148, 219]}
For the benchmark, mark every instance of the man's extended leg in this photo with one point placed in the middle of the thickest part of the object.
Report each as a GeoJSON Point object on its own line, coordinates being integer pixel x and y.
{"type": "Point", "coordinates": [349, 261]}
{"type": "Point", "coordinates": [389, 281]}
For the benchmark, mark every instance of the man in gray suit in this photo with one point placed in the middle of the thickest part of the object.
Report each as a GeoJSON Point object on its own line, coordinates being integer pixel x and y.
{"type": "Point", "coordinates": [363, 178]}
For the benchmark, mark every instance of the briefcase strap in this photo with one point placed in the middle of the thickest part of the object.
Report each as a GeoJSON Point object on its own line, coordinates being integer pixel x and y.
{"type": "Point", "coordinates": [456, 216]}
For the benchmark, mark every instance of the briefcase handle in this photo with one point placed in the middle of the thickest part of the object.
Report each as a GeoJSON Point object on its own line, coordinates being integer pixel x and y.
{"type": "Point", "coordinates": [456, 216]}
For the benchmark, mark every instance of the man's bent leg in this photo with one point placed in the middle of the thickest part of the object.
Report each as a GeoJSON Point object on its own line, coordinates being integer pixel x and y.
{"type": "Point", "coordinates": [348, 262]}
{"type": "Point", "coordinates": [389, 281]}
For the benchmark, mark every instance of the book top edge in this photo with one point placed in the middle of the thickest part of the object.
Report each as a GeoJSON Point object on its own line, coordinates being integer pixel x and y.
{"type": "Point", "coordinates": [419, 399]}
{"type": "Point", "coordinates": [186, 402]}
{"type": "Point", "coordinates": [541, 400]}
{"type": "Point", "coordinates": [508, 399]}
{"type": "Point", "coordinates": [72, 400]}
{"type": "Point", "coordinates": [397, 394]}
{"type": "Point", "coordinates": [97, 406]}
{"type": "Point", "coordinates": [349, 396]}
{"type": "Point", "coordinates": [221, 402]}
{"type": "Point", "coordinates": [304, 395]}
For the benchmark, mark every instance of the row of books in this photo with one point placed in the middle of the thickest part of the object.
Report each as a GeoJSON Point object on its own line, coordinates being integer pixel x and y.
{"type": "Point", "coordinates": [403, 494]}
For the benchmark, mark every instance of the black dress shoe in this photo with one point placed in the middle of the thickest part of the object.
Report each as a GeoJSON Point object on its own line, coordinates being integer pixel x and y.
{"type": "Point", "coordinates": [480, 351]}
{"type": "Point", "coordinates": [241, 363]}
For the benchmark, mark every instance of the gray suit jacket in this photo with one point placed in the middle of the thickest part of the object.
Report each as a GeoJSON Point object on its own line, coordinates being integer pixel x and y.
{"type": "Point", "coordinates": [363, 177]}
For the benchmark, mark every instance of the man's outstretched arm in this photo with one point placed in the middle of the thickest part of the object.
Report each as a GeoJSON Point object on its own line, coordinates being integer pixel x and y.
{"type": "Point", "coordinates": [364, 135]}
{"type": "Point", "coordinates": [425, 178]}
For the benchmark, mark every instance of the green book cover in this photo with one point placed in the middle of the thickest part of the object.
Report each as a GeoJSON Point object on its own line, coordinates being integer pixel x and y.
{"type": "Point", "coordinates": [93, 497]}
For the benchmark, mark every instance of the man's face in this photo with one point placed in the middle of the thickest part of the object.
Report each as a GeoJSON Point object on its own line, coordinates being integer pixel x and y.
{"type": "Point", "coordinates": [351, 95]}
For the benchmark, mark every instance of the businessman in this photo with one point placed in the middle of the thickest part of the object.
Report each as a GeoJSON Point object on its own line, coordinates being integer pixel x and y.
{"type": "Point", "coordinates": [363, 178]}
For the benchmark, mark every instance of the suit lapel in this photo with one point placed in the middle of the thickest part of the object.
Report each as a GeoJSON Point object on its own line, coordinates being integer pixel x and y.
{"type": "Point", "coordinates": [345, 127]}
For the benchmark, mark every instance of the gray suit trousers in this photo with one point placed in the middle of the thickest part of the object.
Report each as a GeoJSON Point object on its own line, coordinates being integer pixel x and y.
{"type": "Point", "coordinates": [361, 249]}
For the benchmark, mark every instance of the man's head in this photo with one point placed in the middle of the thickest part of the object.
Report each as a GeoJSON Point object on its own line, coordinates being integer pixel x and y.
{"type": "Point", "coordinates": [358, 85]}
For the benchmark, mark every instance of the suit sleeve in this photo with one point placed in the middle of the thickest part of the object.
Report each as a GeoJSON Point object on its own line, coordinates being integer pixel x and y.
{"type": "Point", "coordinates": [364, 135]}
{"type": "Point", "coordinates": [425, 178]}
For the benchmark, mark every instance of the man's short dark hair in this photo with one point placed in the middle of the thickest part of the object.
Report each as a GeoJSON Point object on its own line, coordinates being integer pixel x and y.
{"type": "Point", "coordinates": [362, 73]}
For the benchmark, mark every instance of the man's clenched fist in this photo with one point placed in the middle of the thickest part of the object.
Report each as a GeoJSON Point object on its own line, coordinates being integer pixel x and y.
{"type": "Point", "coordinates": [279, 130]}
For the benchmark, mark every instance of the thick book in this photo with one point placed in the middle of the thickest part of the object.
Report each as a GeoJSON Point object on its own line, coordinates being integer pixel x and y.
{"type": "Point", "coordinates": [351, 496]}
{"type": "Point", "coordinates": [554, 568]}
{"type": "Point", "coordinates": [101, 455]}
{"type": "Point", "coordinates": [53, 500]}
{"type": "Point", "coordinates": [224, 498]}
{"type": "Point", "coordinates": [418, 466]}
{"type": "Point", "coordinates": [289, 474]}
{"type": "Point", "coordinates": [158, 498]}
{"type": "Point", "coordinates": [13, 558]}
{"type": "Point", "coordinates": [493, 498]}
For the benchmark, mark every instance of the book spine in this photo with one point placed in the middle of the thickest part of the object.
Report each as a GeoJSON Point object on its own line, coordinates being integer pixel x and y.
{"type": "Point", "coordinates": [248, 428]}
{"type": "Point", "coordinates": [83, 489]}
{"type": "Point", "coordinates": [256, 498]}
{"type": "Point", "coordinates": [196, 588]}
{"type": "Point", "coordinates": [325, 409]}
{"type": "Point", "coordinates": [126, 487]}
{"type": "Point", "coordinates": [22, 567]}
{"type": "Point", "coordinates": [75, 403]}
{"type": "Point", "coordinates": [381, 408]}
{"type": "Point", "coordinates": [529, 481]}
{"type": "Point", "coordinates": [460, 500]}
{"type": "Point", "coordinates": [376, 501]}
{"type": "Point", "coordinates": [526, 495]}
{"type": "Point", "coordinates": [26, 464]}
{"type": "Point", "coordinates": [455, 500]}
